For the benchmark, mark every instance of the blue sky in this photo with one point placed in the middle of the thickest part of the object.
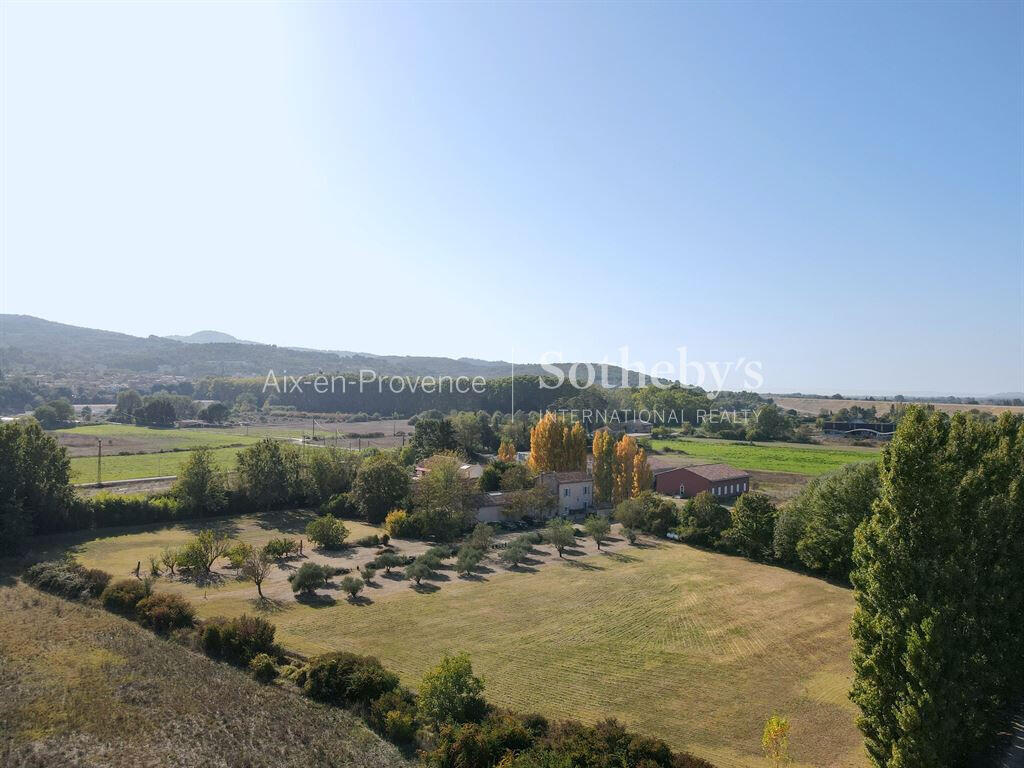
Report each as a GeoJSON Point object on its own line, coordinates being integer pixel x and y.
{"type": "Point", "coordinates": [833, 190]}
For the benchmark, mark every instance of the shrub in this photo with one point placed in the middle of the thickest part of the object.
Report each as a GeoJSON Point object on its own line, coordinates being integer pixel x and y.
{"type": "Point", "coordinates": [469, 558]}
{"type": "Point", "coordinates": [649, 513]}
{"type": "Point", "coordinates": [238, 554]}
{"type": "Point", "coordinates": [753, 526]}
{"type": "Point", "coordinates": [328, 532]}
{"type": "Point", "coordinates": [353, 585]}
{"type": "Point", "coordinates": [706, 519]}
{"type": "Point", "coordinates": [367, 541]}
{"type": "Point", "coordinates": [67, 578]}
{"type": "Point", "coordinates": [389, 560]}
{"type": "Point", "coordinates": [309, 577]}
{"type": "Point", "coordinates": [393, 714]}
{"type": "Point", "coordinates": [279, 548]}
{"type": "Point", "coordinates": [514, 553]}
{"type": "Point", "coordinates": [559, 533]}
{"type": "Point", "coordinates": [263, 668]}
{"type": "Point", "coordinates": [239, 639]}
{"type": "Point", "coordinates": [346, 678]}
{"type": "Point", "coordinates": [451, 693]}
{"type": "Point", "coordinates": [400, 525]}
{"type": "Point", "coordinates": [202, 551]}
{"type": "Point", "coordinates": [421, 568]}
{"type": "Point", "coordinates": [124, 595]}
{"type": "Point", "coordinates": [339, 505]}
{"type": "Point", "coordinates": [481, 537]}
{"type": "Point", "coordinates": [163, 612]}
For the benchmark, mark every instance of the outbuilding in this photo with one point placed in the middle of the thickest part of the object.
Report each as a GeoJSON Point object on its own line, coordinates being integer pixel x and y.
{"type": "Point", "coordinates": [720, 480]}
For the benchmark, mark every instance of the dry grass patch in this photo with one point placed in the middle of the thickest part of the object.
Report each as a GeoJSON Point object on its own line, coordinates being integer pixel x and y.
{"type": "Point", "coordinates": [82, 687]}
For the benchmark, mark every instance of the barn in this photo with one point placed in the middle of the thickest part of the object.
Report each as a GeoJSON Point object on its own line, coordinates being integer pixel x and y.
{"type": "Point", "coordinates": [720, 480]}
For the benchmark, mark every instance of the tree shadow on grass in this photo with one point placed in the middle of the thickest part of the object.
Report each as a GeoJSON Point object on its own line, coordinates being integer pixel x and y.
{"type": "Point", "coordinates": [292, 521]}
{"type": "Point", "coordinates": [583, 566]}
{"type": "Point", "coordinates": [360, 600]}
{"type": "Point", "coordinates": [424, 588]}
{"type": "Point", "coordinates": [527, 566]}
{"type": "Point", "coordinates": [393, 576]}
{"type": "Point", "coordinates": [268, 605]}
{"type": "Point", "coordinates": [201, 578]}
{"type": "Point", "coordinates": [315, 600]}
{"type": "Point", "coordinates": [621, 557]}
{"type": "Point", "coordinates": [227, 526]}
{"type": "Point", "coordinates": [572, 552]}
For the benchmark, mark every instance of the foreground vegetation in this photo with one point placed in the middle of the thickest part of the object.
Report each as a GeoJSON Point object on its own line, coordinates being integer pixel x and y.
{"type": "Point", "coordinates": [84, 687]}
{"type": "Point", "coordinates": [446, 718]}
{"type": "Point", "coordinates": [689, 646]}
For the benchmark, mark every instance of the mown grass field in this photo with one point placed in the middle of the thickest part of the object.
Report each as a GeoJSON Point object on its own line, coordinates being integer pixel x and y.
{"type": "Point", "coordinates": [803, 460]}
{"type": "Point", "coordinates": [83, 687]}
{"type": "Point", "coordinates": [83, 468]}
{"type": "Point", "coordinates": [128, 438]}
{"type": "Point", "coordinates": [694, 647]}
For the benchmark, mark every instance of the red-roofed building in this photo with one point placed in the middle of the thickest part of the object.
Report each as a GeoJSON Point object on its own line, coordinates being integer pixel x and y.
{"type": "Point", "coordinates": [720, 480]}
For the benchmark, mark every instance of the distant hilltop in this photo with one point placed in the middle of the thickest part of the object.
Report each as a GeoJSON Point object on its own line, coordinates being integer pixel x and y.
{"type": "Point", "coordinates": [209, 337]}
{"type": "Point", "coordinates": [32, 344]}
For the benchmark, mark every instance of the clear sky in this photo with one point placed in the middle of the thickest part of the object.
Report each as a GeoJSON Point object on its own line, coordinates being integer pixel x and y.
{"type": "Point", "coordinates": [833, 190]}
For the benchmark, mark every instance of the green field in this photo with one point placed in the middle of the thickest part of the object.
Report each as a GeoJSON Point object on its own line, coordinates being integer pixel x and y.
{"type": "Point", "coordinates": [694, 647]}
{"type": "Point", "coordinates": [83, 468]}
{"type": "Point", "coordinates": [803, 460]}
{"type": "Point", "coordinates": [119, 437]}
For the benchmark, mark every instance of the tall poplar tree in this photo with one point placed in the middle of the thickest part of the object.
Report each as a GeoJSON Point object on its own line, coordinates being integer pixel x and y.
{"type": "Point", "coordinates": [604, 465]}
{"type": "Point", "coordinates": [625, 465]}
{"type": "Point", "coordinates": [643, 477]}
{"type": "Point", "coordinates": [938, 587]}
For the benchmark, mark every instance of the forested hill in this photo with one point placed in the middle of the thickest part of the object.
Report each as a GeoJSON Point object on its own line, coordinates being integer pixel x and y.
{"type": "Point", "coordinates": [33, 345]}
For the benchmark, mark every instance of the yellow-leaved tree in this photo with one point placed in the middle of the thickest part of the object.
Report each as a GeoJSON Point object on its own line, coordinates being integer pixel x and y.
{"type": "Point", "coordinates": [604, 465]}
{"type": "Point", "coordinates": [643, 477]}
{"type": "Point", "coordinates": [506, 451]}
{"type": "Point", "coordinates": [625, 464]}
{"type": "Point", "coordinates": [556, 445]}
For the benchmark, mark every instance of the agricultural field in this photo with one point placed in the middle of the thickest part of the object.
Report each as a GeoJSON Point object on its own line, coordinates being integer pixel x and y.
{"type": "Point", "coordinates": [130, 439]}
{"type": "Point", "coordinates": [694, 647]}
{"type": "Point", "coordinates": [811, 406]}
{"type": "Point", "coordinates": [809, 460]}
{"type": "Point", "coordinates": [83, 468]}
{"type": "Point", "coordinates": [131, 451]}
{"type": "Point", "coordinates": [84, 687]}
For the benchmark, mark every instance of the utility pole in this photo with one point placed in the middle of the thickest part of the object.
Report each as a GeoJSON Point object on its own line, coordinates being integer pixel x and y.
{"type": "Point", "coordinates": [99, 461]}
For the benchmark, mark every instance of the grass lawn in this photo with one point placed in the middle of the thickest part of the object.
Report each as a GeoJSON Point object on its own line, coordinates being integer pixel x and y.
{"type": "Point", "coordinates": [694, 647]}
{"type": "Point", "coordinates": [84, 687]}
{"type": "Point", "coordinates": [128, 438]}
{"type": "Point", "coordinates": [83, 468]}
{"type": "Point", "coordinates": [782, 457]}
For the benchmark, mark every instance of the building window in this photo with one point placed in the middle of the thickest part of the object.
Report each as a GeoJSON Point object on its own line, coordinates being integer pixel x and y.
{"type": "Point", "coordinates": [586, 489]}
{"type": "Point", "coordinates": [566, 494]}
